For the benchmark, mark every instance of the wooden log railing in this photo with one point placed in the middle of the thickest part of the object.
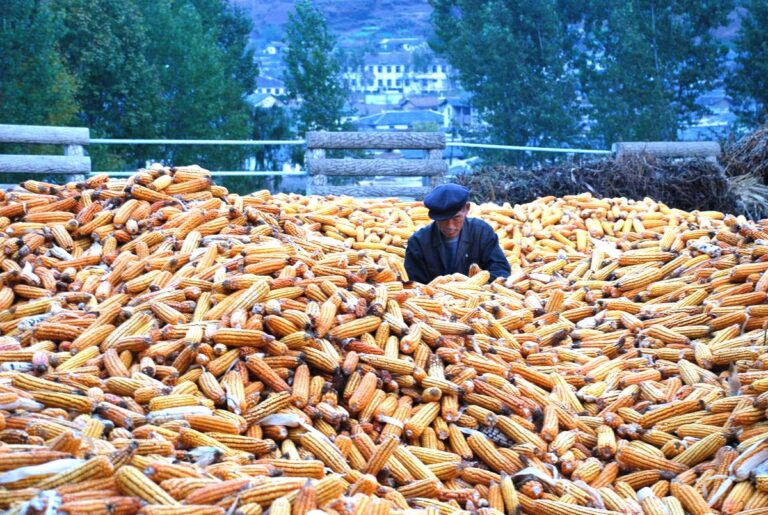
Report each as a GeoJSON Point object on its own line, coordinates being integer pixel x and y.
{"type": "Point", "coordinates": [320, 167]}
{"type": "Point", "coordinates": [705, 149]}
{"type": "Point", "coordinates": [73, 162]}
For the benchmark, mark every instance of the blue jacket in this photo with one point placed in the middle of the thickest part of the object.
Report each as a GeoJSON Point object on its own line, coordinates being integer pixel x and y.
{"type": "Point", "coordinates": [426, 256]}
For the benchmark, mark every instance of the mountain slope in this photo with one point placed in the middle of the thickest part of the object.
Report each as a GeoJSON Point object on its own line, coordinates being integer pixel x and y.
{"type": "Point", "coordinates": [350, 19]}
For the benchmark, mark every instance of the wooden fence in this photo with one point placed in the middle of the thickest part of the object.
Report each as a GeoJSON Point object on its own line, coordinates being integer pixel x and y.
{"type": "Point", "coordinates": [73, 162]}
{"type": "Point", "coordinates": [320, 167]}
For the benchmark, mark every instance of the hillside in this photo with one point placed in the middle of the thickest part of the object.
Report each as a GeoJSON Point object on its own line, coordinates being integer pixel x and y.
{"type": "Point", "coordinates": [352, 20]}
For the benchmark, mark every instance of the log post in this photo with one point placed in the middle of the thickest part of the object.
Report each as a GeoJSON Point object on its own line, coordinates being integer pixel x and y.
{"type": "Point", "coordinates": [437, 179]}
{"type": "Point", "coordinates": [79, 151]}
{"type": "Point", "coordinates": [313, 181]}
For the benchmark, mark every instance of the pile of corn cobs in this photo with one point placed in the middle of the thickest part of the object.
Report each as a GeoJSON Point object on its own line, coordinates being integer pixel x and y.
{"type": "Point", "coordinates": [169, 348]}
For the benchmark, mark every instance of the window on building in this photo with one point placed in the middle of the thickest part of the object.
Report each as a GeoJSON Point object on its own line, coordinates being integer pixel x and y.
{"type": "Point", "coordinates": [407, 82]}
{"type": "Point", "coordinates": [380, 68]}
{"type": "Point", "coordinates": [434, 69]}
{"type": "Point", "coordinates": [379, 83]}
{"type": "Point", "coordinates": [397, 68]}
{"type": "Point", "coordinates": [389, 82]}
{"type": "Point", "coordinates": [423, 83]}
{"type": "Point", "coordinates": [398, 83]}
{"type": "Point", "coordinates": [389, 69]}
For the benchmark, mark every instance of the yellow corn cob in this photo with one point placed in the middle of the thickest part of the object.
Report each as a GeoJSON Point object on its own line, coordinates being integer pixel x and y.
{"type": "Point", "coordinates": [132, 481]}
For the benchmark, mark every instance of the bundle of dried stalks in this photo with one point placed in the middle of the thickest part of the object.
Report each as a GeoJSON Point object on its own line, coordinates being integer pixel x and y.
{"type": "Point", "coordinates": [748, 156]}
{"type": "Point", "coordinates": [689, 184]}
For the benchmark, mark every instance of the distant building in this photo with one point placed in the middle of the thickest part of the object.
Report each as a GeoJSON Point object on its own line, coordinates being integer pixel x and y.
{"type": "Point", "coordinates": [717, 123]}
{"type": "Point", "coordinates": [421, 102]}
{"type": "Point", "coordinates": [363, 108]}
{"type": "Point", "coordinates": [403, 67]}
{"type": "Point", "coordinates": [274, 48]}
{"type": "Point", "coordinates": [401, 121]}
{"type": "Point", "coordinates": [398, 44]}
{"type": "Point", "coordinates": [461, 113]}
{"type": "Point", "coordinates": [270, 59]}
{"type": "Point", "coordinates": [264, 100]}
{"type": "Point", "coordinates": [456, 109]}
{"type": "Point", "coordinates": [395, 72]}
{"type": "Point", "coordinates": [270, 86]}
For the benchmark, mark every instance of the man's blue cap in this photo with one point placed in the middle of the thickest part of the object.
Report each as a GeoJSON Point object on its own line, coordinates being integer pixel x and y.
{"type": "Point", "coordinates": [445, 201]}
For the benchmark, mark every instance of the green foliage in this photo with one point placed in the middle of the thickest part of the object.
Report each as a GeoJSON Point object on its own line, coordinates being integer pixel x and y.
{"type": "Point", "coordinates": [233, 28]}
{"type": "Point", "coordinates": [35, 86]}
{"type": "Point", "coordinates": [510, 55]}
{"type": "Point", "coordinates": [634, 68]}
{"type": "Point", "coordinates": [268, 124]}
{"type": "Point", "coordinates": [272, 124]}
{"type": "Point", "coordinates": [421, 58]}
{"type": "Point", "coordinates": [105, 44]}
{"type": "Point", "coordinates": [131, 69]}
{"type": "Point", "coordinates": [749, 83]}
{"type": "Point", "coordinates": [646, 62]}
{"type": "Point", "coordinates": [313, 69]}
{"type": "Point", "coordinates": [198, 55]}
{"type": "Point", "coordinates": [426, 127]}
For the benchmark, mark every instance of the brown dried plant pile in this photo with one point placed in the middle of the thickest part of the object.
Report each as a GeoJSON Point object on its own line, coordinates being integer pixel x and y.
{"type": "Point", "coordinates": [738, 183]}
{"type": "Point", "coordinates": [688, 184]}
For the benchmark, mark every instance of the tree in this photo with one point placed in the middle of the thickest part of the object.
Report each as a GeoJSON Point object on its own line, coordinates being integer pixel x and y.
{"type": "Point", "coordinates": [131, 69]}
{"type": "Point", "coordinates": [749, 82]}
{"type": "Point", "coordinates": [104, 44]}
{"type": "Point", "coordinates": [35, 86]}
{"type": "Point", "coordinates": [272, 123]}
{"type": "Point", "coordinates": [199, 53]}
{"type": "Point", "coordinates": [510, 56]}
{"type": "Point", "coordinates": [645, 63]}
{"type": "Point", "coordinates": [422, 57]}
{"type": "Point", "coordinates": [313, 69]}
{"type": "Point", "coordinates": [269, 123]}
{"type": "Point", "coordinates": [233, 30]}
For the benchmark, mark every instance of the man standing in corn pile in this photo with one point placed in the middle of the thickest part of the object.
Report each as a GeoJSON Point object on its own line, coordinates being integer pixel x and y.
{"type": "Point", "coordinates": [453, 242]}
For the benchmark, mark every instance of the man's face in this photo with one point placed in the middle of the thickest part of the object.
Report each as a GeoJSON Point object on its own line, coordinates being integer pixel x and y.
{"type": "Point", "coordinates": [452, 227]}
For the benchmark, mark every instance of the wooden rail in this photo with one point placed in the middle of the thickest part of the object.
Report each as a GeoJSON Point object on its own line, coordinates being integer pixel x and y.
{"type": "Point", "coordinates": [73, 162]}
{"type": "Point", "coordinates": [706, 149]}
{"type": "Point", "coordinates": [320, 167]}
